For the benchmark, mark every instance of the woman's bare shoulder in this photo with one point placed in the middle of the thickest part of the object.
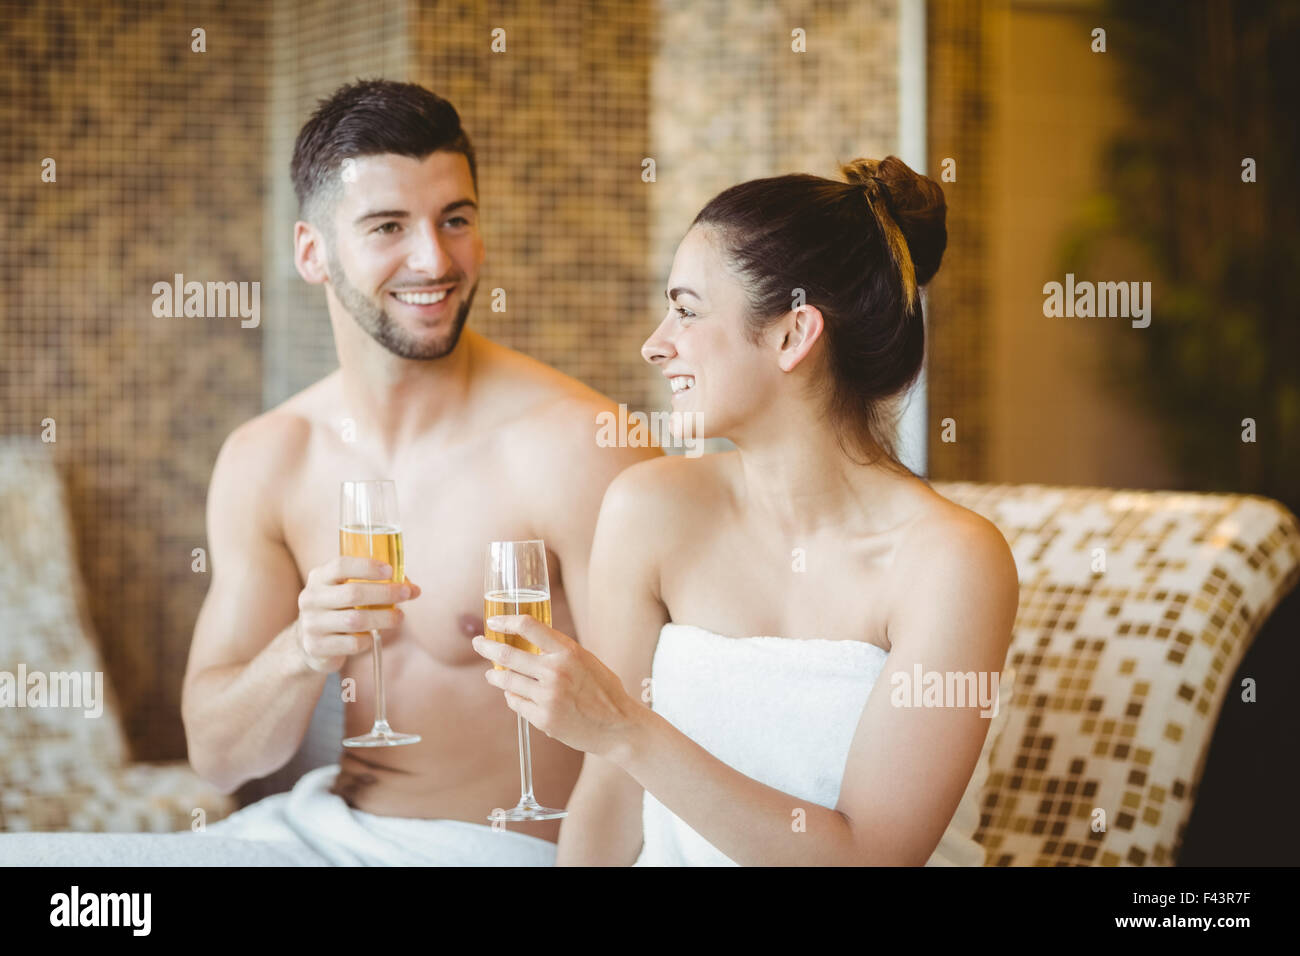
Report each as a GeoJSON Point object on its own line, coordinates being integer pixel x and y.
{"type": "Point", "coordinates": [674, 481]}
{"type": "Point", "coordinates": [666, 497]}
{"type": "Point", "coordinates": [950, 543]}
{"type": "Point", "coordinates": [651, 510]}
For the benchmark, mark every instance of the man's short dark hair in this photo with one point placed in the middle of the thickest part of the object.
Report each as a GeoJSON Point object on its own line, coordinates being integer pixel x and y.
{"type": "Point", "coordinates": [369, 118]}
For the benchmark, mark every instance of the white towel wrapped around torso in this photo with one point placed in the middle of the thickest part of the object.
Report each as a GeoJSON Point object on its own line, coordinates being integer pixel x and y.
{"type": "Point", "coordinates": [781, 711]}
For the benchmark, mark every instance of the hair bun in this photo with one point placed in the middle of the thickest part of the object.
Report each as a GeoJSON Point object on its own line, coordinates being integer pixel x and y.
{"type": "Point", "coordinates": [916, 203]}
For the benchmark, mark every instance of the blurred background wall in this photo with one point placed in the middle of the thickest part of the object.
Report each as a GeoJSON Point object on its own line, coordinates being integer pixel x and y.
{"type": "Point", "coordinates": [1025, 107]}
{"type": "Point", "coordinates": [958, 311]}
{"type": "Point", "coordinates": [1122, 164]}
{"type": "Point", "coordinates": [313, 47]}
{"type": "Point", "coordinates": [160, 165]}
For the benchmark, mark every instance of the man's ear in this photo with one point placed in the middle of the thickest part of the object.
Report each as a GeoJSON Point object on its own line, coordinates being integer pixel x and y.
{"type": "Point", "coordinates": [309, 253]}
{"type": "Point", "coordinates": [800, 329]}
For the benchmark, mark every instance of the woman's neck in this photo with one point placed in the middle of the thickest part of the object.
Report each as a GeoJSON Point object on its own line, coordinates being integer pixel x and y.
{"type": "Point", "coordinates": [801, 481]}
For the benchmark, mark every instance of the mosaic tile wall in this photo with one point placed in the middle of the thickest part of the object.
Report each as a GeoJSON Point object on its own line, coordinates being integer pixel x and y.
{"type": "Point", "coordinates": [733, 102]}
{"type": "Point", "coordinates": [560, 121]}
{"type": "Point", "coordinates": [316, 46]}
{"type": "Point", "coordinates": [957, 304]}
{"type": "Point", "coordinates": [159, 156]}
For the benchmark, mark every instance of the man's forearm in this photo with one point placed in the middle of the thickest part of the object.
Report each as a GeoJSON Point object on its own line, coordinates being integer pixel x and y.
{"type": "Point", "coordinates": [246, 720]}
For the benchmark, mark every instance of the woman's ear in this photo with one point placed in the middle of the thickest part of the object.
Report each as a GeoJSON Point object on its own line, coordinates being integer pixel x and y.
{"type": "Point", "coordinates": [801, 328]}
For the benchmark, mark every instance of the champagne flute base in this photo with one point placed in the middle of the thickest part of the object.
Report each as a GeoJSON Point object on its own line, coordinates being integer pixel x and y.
{"type": "Point", "coordinates": [527, 811]}
{"type": "Point", "coordinates": [381, 735]}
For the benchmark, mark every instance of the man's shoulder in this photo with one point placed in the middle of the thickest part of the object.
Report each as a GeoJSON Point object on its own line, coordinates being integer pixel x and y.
{"type": "Point", "coordinates": [526, 376]}
{"type": "Point", "coordinates": [271, 443]}
{"type": "Point", "coordinates": [547, 406]}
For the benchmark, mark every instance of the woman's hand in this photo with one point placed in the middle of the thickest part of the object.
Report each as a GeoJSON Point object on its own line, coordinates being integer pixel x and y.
{"type": "Point", "coordinates": [565, 691]}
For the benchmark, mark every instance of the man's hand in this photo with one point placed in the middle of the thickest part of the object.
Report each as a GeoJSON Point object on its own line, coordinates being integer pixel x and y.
{"type": "Point", "coordinates": [336, 612]}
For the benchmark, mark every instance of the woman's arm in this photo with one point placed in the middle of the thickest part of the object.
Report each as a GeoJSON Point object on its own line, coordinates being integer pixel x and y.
{"type": "Point", "coordinates": [603, 827]}
{"type": "Point", "coordinates": [952, 605]}
{"type": "Point", "coordinates": [953, 611]}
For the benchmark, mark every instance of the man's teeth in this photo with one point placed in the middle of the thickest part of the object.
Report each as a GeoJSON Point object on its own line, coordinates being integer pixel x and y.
{"type": "Point", "coordinates": [681, 383]}
{"type": "Point", "coordinates": [421, 298]}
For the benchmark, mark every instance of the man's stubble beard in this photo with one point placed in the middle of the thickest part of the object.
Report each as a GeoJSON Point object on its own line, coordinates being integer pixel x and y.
{"type": "Point", "coordinates": [379, 325]}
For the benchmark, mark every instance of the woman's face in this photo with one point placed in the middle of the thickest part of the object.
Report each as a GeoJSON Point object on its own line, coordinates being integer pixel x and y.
{"type": "Point", "coordinates": [717, 375]}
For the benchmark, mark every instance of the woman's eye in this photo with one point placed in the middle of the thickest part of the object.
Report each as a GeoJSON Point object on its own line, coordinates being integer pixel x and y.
{"type": "Point", "coordinates": [458, 221]}
{"type": "Point", "coordinates": [684, 313]}
{"type": "Point", "coordinates": [385, 226]}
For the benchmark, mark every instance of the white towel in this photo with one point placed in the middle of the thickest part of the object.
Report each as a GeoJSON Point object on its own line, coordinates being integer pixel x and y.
{"type": "Point", "coordinates": [309, 826]}
{"type": "Point", "coordinates": [783, 712]}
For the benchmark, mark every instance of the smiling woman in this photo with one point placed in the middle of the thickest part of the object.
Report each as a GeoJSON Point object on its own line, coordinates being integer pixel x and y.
{"type": "Point", "coordinates": [794, 320]}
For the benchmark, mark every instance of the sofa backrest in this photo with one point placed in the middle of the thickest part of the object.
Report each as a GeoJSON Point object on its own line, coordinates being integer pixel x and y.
{"type": "Point", "coordinates": [1136, 608]}
{"type": "Point", "coordinates": [45, 630]}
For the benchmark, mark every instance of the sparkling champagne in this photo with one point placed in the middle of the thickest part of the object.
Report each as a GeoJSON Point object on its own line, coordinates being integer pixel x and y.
{"type": "Point", "coordinates": [535, 603]}
{"type": "Point", "coordinates": [380, 542]}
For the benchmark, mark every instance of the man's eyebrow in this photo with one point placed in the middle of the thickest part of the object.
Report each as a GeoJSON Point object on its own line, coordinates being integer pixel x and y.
{"type": "Point", "coordinates": [459, 203]}
{"type": "Point", "coordinates": [681, 290]}
{"type": "Point", "coordinates": [403, 214]}
{"type": "Point", "coordinates": [386, 213]}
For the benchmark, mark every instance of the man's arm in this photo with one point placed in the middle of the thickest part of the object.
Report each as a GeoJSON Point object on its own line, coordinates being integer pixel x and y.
{"type": "Point", "coordinates": [249, 692]}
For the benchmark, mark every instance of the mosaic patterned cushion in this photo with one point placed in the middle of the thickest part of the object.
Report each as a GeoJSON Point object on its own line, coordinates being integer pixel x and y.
{"type": "Point", "coordinates": [61, 769]}
{"type": "Point", "coordinates": [137, 797]}
{"type": "Point", "coordinates": [1123, 658]}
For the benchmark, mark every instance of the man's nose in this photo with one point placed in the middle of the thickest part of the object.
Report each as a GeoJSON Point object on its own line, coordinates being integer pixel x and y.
{"type": "Point", "coordinates": [658, 348]}
{"type": "Point", "coordinates": [428, 254]}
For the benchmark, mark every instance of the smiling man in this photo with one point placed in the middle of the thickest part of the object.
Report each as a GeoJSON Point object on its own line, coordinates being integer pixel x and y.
{"type": "Point", "coordinates": [483, 443]}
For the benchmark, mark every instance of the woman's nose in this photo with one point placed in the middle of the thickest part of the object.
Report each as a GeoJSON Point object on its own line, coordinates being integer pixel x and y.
{"type": "Point", "coordinates": [657, 348]}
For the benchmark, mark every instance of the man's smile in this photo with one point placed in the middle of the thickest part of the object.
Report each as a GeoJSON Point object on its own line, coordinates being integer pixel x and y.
{"type": "Point", "coordinates": [425, 303]}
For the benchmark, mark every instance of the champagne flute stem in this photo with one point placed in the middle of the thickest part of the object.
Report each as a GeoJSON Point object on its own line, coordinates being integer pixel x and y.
{"type": "Point", "coordinates": [381, 714]}
{"type": "Point", "coordinates": [525, 763]}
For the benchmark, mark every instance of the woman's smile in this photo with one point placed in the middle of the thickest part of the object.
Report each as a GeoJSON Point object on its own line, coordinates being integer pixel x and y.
{"type": "Point", "coordinates": [681, 384]}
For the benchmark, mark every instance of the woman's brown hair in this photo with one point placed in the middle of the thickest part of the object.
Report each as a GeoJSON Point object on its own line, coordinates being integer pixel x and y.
{"type": "Point", "coordinates": [860, 250]}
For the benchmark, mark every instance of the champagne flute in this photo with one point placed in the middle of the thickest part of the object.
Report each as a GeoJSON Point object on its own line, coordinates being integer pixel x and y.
{"type": "Point", "coordinates": [368, 528]}
{"type": "Point", "coordinates": [516, 582]}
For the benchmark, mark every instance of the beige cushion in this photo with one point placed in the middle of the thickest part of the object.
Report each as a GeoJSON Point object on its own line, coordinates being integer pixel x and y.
{"type": "Point", "coordinates": [43, 622]}
{"type": "Point", "coordinates": [1121, 672]}
{"type": "Point", "coordinates": [61, 769]}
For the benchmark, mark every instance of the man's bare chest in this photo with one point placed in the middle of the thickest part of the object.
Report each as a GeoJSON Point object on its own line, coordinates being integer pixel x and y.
{"type": "Point", "coordinates": [449, 510]}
